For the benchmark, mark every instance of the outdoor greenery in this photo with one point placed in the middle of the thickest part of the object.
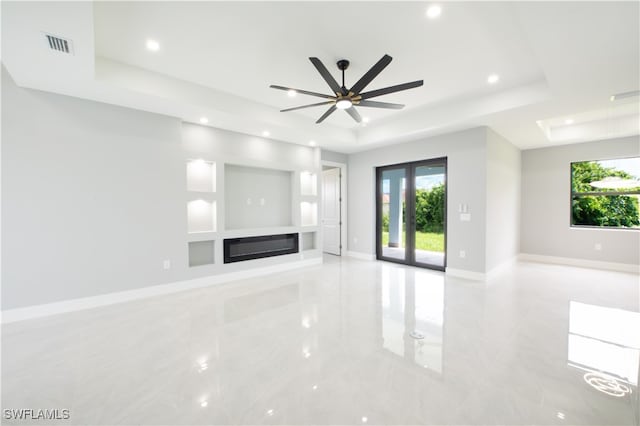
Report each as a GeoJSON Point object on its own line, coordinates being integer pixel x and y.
{"type": "Point", "coordinates": [430, 241]}
{"type": "Point", "coordinates": [601, 210]}
{"type": "Point", "coordinates": [430, 206]}
{"type": "Point", "coordinates": [430, 209]}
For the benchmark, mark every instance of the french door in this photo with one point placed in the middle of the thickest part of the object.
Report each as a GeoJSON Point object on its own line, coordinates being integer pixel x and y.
{"type": "Point", "coordinates": [411, 213]}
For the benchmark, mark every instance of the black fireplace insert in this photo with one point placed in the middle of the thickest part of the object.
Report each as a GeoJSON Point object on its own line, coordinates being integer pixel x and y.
{"type": "Point", "coordinates": [239, 249]}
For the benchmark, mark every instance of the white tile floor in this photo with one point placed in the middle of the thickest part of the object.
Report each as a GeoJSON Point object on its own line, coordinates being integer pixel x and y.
{"type": "Point", "coordinates": [330, 345]}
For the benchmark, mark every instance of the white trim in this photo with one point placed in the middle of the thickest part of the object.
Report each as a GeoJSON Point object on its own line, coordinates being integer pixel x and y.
{"type": "Point", "coordinates": [343, 203]}
{"type": "Point", "coordinates": [582, 263]}
{"type": "Point", "coordinates": [502, 267]}
{"type": "Point", "coordinates": [361, 256]}
{"type": "Point", "coordinates": [38, 311]}
{"type": "Point", "coordinates": [468, 275]}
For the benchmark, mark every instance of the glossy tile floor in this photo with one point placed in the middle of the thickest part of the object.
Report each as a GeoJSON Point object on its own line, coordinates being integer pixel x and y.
{"type": "Point", "coordinates": [331, 344]}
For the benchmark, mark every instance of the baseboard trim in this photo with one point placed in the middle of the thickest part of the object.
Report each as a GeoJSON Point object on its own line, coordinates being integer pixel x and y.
{"type": "Point", "coordinates": [502, 267]}
{"type": "Point", "coordinates": [582, 263]}
{"type": "Point", "coordinates": [361, 256]}
{"type": "Point", "coordinates": [468, 275]}
{"type": "Point", "coordinates": [73, 305]}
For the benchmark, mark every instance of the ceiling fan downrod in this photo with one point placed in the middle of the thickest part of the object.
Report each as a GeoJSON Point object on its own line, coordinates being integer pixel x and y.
{"type": "Point", "coordinates": [343, 64]}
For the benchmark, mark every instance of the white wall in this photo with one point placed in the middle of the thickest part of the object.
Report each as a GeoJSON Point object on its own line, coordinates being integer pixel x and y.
{"type": "Point", "coordinates": [94, 196]}
{"type": "Point", "coordinates": [336, 157]}
{"type": "Point", "coordinates": [546, 205]}
{"type": "Point", "coordinates": [466, 156]}
{"type": "Point", "coordinates": [89, 196]}
{"type": "Point", "coordinates": [503, 200]}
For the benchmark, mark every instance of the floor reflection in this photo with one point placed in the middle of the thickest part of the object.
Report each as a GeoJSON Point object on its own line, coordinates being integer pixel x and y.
{"type": "Point", "coordinates": [605, 343]}
{"type": "Point", "coordinates": [413, 304]}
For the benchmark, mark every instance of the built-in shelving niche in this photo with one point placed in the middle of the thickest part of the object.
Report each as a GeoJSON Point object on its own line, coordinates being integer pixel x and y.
{"type": "Point", "coordinates": [308, 183]}
{"type": "Point", "coordinates": [308, 241]}
{"type": "Point", "coordinates": [201, 176]}
{"type": "Point", "coordinates": [308, 213]}
{"type": "Point", "coordinates": [201, 253]}
{"type": "Point", "coordinates": [201, 216]}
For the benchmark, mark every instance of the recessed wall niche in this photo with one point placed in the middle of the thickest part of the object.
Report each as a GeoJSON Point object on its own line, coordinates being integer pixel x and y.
{"type": "Point", "coordinates": [308, 183]}
{"type": "Point", "coordinates": [201, 176]}
{"type": "Point", "coordinates": [201, 253]}
{"type": "Point", "coordinates": [308, 213]}
{"type": "Point", "coordinates": [257, 197]}
{"type": "Point", "coordinates": [308, 240]}
{"type": "Point", "coordinates": [201, 216]}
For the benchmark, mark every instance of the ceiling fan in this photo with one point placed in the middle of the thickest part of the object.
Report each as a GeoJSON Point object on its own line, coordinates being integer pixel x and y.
{"type": "Point", "coordinates": [345, 98]}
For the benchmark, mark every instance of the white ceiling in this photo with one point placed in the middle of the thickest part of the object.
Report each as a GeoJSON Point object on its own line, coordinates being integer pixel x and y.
{"type": "Point", "coordinates": [217, 59]}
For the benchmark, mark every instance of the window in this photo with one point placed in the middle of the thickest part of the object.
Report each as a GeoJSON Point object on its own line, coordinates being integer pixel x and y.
{"type": "Point", "coordinates": [605, 193]}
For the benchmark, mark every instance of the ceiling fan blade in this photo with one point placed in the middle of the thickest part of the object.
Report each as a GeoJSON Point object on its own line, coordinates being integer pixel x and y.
{"type": "Point", "coordinates": [374, 104]}
{"type": "Point", "coordinates": [391, 89]}
{"type": "Point", "coordinates": [304, 92]}
{"type": "Point", "coordinates": [306, 106]}
{"type": "Point", "coordinates": [326, 75]}
{"type": "Point", "coordinates": [326, 114]}
{"type": "Point", "coordinates": [371, 74]}
{"type": "Point", "coordinates": [354, 114]}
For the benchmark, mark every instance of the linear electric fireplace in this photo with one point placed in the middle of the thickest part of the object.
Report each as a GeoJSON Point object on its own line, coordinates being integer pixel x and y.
{"type": "Point", "coordinates": [238, 249]}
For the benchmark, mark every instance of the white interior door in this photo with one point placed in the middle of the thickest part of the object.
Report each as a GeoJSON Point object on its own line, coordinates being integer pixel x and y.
{"type": "Point", "coordinates": [331, 211]}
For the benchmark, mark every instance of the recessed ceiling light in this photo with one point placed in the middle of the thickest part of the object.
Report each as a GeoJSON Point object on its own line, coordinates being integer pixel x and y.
{"type": "Point", "coordinates": [568, 121]}
{"type": "Point", "coordinates": [433, 11]}
{"type": "Point", "coordinates": [204, 403]}
{"type": "Point", "coordinates": [153, 45]}
{"type": "Point", "coordinates": [292, 93]}
{"type": "Point", "coordinates": [493, 79]}
{"type": "Point", "coordinates": [204, 120]}
{"type": "Point", "coordinates": [312, 143]}
{"type": "Point", "coordinates": [364, 419]}
{"type": "Point", "coordinates": [266, 133]}
{"type": "Point", "coordinates": [365, 119]}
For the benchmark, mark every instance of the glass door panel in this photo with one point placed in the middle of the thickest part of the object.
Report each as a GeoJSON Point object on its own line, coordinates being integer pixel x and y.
{"type": "Point", "coordinates": [411, 213]}
{"type": "Point", "coordinates": [429, 215]}
{"type": "Point", "coordinates": [392, 232]}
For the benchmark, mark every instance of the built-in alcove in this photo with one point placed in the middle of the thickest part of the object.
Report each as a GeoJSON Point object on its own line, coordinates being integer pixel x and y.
{"type": "Point", "coordinates": [308, 240]}
{"type": "Point", "coordinates": [201, 216]}
{"type": "Point", "coordinates": [308, 183]}
{"type": "Point", "coordinates": [201, 176]}
{"type": "Point", "coordinates": [257, 197]}
{"type": "Point", "coordinates": [201, 253]}
{"type": "Point", "coordinates": [308, 213]}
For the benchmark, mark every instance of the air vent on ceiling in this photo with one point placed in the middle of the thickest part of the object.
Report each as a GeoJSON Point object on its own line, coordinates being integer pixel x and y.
{"type": "Point", "coordinates": [59, 44]}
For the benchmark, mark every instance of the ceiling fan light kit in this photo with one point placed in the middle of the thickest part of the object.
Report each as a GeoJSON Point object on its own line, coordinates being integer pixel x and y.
{"type": "Point", "coordinates": [345, 99]}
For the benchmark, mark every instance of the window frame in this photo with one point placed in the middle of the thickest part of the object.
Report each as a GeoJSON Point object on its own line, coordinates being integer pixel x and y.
{"type": "Point", "coordinates": [573, 194]}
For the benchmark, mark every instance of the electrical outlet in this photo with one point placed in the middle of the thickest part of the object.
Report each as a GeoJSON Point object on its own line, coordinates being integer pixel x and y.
{"type": "Point", "coordinates": [166, 264]}
{"type": "Point", "coordinates": [463, 254]}
{"type": "Point", "coordinates": [597, 247]}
